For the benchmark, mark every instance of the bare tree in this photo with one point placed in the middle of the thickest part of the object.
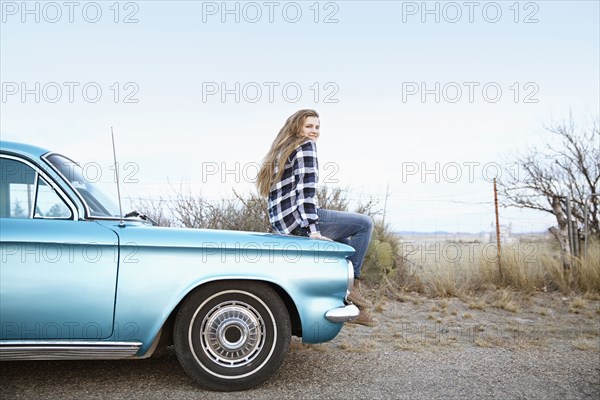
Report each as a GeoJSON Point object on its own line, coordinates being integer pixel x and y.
{"type": "Point", "coordinates": [566, 168]}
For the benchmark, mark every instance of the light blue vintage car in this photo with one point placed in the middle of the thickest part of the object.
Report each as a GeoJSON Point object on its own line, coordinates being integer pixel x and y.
{"type": "Point", "coordinates": [79, 282]}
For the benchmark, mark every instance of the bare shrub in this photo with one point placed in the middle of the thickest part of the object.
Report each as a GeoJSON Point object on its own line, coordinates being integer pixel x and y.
{"type": "Point", "coordinates": [190, 211]}
{"type": "Point", "coordinates": [386, 266]}
{"type": "Point", "coordinates": [155, 210]}
{"type": "Point", "coordinates": [332, 198]}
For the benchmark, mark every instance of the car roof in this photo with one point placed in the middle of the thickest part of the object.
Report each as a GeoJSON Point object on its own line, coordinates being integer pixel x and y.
{"type": "Point", "coordinates": [22, 148]}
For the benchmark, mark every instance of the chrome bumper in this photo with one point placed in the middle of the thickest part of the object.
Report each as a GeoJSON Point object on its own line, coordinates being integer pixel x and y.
{"type": "Point", "coordinates": [342, 314]}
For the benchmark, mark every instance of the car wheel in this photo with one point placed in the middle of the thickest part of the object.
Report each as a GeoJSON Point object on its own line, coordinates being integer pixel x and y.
{"type": "Point", "coordinates": [232, 335]}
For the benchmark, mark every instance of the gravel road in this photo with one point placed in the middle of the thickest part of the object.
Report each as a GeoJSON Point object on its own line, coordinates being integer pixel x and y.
{"type": "Point", "coordinates": [500, 355]}
{"type": "Point", "coordinates": [449, 374]}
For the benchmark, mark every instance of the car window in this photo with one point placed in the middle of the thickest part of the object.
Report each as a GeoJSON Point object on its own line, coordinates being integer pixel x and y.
{"type": "Point", "coordinates": [48, 203]}
{"type": "Point", "coordinates": [23, 191]}
{"type": "Point", "coordinates": [100, 204]}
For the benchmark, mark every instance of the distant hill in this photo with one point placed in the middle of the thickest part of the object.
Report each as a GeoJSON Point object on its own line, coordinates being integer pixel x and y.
{"type": "Point", "coordinates": [447, 233]}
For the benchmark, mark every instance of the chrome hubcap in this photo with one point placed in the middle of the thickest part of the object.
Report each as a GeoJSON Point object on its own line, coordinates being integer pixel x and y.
{"type": "Point", "coordinates": [232, 334]}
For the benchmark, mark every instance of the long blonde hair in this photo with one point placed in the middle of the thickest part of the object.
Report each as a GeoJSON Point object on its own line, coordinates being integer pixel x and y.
{"type": "Point", "coordinates": [287, 140]}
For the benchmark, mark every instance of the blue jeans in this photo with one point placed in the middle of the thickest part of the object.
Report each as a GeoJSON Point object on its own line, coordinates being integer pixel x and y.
{"type": "Point", "coordinates": [349, 228]}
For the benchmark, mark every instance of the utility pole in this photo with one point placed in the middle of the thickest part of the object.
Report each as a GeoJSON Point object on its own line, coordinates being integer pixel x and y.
{"type": "Point", "coordinates": [497, 227]}
{"type": "Point", "coordinates": [387, 194]}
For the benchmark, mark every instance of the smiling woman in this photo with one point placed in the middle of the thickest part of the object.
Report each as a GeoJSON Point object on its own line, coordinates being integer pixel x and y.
{"type": "Point", "coordinates": [289, 176]}
{"type": "Point", "coordinates": [290, 173]}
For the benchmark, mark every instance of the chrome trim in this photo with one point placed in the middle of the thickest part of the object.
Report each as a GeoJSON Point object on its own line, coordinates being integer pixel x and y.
{"type": "Point", "coordinates": [67, 350]}
{"type": "Point", "coordinates": [342, 314]}
{"type": "Point", "coordinates": [230, 359]}
{"type": "Point", "coordinates": [153, 346]}
{"type": "Point", "coordinates": [36, 185]}
{"type": "Point", "coordinates": [67, 182]}
{"type": "Point", "coordinates": [350, 279]}
{"type": "Point", "coordinates": [51, 182]}
{"type": "Point", "coordinates": [233, 334]}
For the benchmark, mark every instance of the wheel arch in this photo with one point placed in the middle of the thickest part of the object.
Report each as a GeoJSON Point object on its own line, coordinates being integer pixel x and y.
{"type": "Point", "coordinates": [166, 331]}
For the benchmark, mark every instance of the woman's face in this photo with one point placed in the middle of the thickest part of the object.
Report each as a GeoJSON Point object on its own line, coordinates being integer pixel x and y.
{"type": "Point", "coordinates": [310, 128]}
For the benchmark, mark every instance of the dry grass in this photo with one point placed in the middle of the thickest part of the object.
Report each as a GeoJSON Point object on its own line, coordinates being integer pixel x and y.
{"type": "Point", "coordinates": [591, 296]}
{"type": "Point", "coordinates": [587, 272]}
{"type": "Point", "coordinates": [577, 305]}
{"type": "Point", "coordinates": [345, 346]}
{"type": "Point", "coordinates": [483, 343]}
{"type": "Point", "coordinates": [586, 343]}
{"type": "Point", "coordinates": [442, 280]}
{"type": "Point", "coordinates": [442, 270]}
{"type": "Point", "coordinates": [505, 300]}
{"type": "Point", "coordinates": [379, 307]}
{"type": "Point", "coordinates": [477, 305]}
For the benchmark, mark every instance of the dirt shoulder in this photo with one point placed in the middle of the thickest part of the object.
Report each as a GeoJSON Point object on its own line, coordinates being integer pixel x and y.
{"type": "Point", "coordinates": [495, 319]}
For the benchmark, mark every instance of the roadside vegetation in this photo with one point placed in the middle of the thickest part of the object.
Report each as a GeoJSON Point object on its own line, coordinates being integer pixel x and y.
{"type": "Point", "coordinates": [542, 290]}
{"type": "Point", "coordinates": [528, 266]}
{"type": "Point", "coordinates": [437, 268]}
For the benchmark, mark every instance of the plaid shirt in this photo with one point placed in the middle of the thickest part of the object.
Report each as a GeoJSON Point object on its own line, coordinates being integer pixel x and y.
{"type": "Point", "coordinates": [293, 199]}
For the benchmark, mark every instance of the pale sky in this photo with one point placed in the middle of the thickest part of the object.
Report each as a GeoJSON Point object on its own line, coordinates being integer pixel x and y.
{"type": "Point", "coordinates": [427, 98]}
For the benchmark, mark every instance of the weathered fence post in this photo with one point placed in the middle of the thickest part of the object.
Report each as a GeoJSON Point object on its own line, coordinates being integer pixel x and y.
{"type": "Point", "coordinates": [497, 227]}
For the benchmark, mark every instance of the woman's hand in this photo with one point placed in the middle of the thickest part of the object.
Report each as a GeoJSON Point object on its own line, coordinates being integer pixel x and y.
{"type": "Point", "coordinates": [317, 235]}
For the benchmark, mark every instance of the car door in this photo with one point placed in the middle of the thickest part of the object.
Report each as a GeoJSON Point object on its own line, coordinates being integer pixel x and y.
{"type": "Point", "coordinates": [57, 274]}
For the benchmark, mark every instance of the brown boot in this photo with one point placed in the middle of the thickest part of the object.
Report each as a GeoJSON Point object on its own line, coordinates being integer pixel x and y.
{"type": "Point", "coordinates": [364, 319]}
{"type": "Point", "coordinates": [356, 297]}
